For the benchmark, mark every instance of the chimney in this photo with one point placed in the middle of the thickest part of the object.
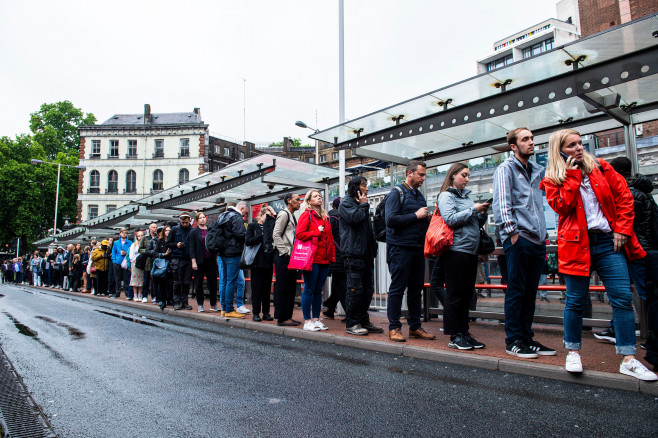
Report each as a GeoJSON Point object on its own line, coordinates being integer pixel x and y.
{"type": "Point", "coordinates": [197, 111]}
{"type": "Point", "coordinates": [147, 113]}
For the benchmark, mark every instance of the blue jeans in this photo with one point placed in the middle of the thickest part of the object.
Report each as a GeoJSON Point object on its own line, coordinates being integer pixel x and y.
{"type": "Point", "coordinates": [613, 270]}
{"type": "Point", "coordinates": [407, 269]}
{"type": "Point", "coordinates": [229, 282]}
{"type": "Point", "coordinates": [221, 282]}
{"type": "Point", "coordinates": [525, 261]}
{"type": "Point", "coordinates": [239, 295]}
{"type": "Point", "coordinates": [312, 294]}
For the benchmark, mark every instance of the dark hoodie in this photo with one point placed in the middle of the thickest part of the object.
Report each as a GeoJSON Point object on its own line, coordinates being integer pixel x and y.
{"type": "Point", "coordinates": [641, 188]}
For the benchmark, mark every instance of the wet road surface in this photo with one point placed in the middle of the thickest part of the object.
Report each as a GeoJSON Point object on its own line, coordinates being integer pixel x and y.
{"type": "Point", "coordinates": [100, 370]}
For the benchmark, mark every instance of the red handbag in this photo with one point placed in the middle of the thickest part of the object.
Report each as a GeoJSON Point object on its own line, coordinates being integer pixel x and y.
{"type": "Point", "coordinates": [439, 236]}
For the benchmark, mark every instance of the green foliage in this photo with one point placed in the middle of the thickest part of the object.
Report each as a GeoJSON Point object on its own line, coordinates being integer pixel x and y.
{"type": "Point", "coordinates": [296, 142]}
{"type": "Point", "coordinates": [55, 127]}
{"type": "Point", "coordinates": [56, 140]}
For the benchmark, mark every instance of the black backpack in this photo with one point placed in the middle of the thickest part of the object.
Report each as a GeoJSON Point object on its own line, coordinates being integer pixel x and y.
{"type": "Point", "coordinates": [379, 220]}
{"type": "Point", "coordinates": [216, 238]}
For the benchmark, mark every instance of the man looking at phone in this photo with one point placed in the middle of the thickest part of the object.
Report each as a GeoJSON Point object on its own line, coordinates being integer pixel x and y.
{"type": "Point", "coordinates": [181, 263]}
{"type": "Point", "coordinates": [518, 209]}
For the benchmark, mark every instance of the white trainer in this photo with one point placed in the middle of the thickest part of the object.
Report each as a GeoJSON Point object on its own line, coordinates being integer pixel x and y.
{"type": "Point", "coordinates": [635, 368]}
{"type": "Point", "coordinates": [242, 309]}
{"type": "Point", "coordinates": [573, 364]}
{"type": "Point", "coordinates": [311, 327]}
{"type": "Point", "coordinates": [145, 300]}
{"type": "Point", "coordinates": [320, 325]}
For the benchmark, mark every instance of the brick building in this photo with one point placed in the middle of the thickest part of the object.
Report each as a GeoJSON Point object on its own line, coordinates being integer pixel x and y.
{"type": "Point", "coordinates": [599, 15]}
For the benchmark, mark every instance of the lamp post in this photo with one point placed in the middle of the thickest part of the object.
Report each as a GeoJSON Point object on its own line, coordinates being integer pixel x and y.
{"type": "Point", "coordinates": [41, 214]}
{"type": "Point", "coordinates": [59, 171]}
{"type": "Point", "coordinates": [317, 148]}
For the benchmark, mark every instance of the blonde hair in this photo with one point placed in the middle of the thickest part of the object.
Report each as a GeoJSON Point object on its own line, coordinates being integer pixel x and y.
{"type": "Point", "coordinates": [556, 170]}
{"type": "Point", "coordinates": [307, 206]}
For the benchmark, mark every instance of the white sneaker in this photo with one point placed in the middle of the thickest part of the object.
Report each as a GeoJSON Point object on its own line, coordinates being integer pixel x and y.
{"type": "Point", "coordinates": [200, 309]}
{"type": "Point", "coordinates": [311, 327]}
{"type": "Point", "coordinates": [242, 309]}
{"type": "Point", "coordinates": [635, 368]}
{"type": "Point", "coordinates": [321, 326]}
{"type": "Point", "coordinates": [145, 300]}
{"type": "Point", "coordinates": [573, 364]}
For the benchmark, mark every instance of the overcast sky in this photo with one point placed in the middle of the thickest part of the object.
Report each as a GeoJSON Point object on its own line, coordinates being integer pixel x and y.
{"type": "Point", "coordinates": [112, 57]}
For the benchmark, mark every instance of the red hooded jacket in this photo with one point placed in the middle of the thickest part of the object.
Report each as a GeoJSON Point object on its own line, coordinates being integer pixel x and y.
{"type": "Point", "coordinates": [616, 203]}
{"type": "Point", "coordinates": [307, 228]}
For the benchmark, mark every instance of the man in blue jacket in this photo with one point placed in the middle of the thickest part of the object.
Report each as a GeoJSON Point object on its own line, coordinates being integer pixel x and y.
{"type": "Point", "coordinates": [406, 226]}
{"type": "Point", "coordinates": [518, 208]}
{"type": "Point", "coordinates": [120, 264]}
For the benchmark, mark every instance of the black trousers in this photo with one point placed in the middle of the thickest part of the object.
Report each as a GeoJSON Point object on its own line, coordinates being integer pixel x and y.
{"type": "Point", "coordinates": [261, 285]}
{"type": "Point", "coordinates": [147, 285]}
{"type": "Point", "coordinates": [121, 275]}
{"type": "Point", "coordinates": [359, 291]}
{"type": "Point", "coordinates": [459, 270]}
{"type": "Point", "coordinates": [101, 282]}
{"type": "Point", "coordinates": [208, 269]}
{"type": "Point", "coordinates": [437, 291]}
{"type": "Point", "coordinates": [182, 279]}
{"type": "Point", "coordinates": [285, 288]}
{"type": "Point", "coordinates": [338, 290]}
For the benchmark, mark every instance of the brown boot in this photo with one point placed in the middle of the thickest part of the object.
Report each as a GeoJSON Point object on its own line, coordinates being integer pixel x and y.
{"type": "Point", "coordinates": [396, 335]}
{"type": "Point", "coordinates": [421, 334]}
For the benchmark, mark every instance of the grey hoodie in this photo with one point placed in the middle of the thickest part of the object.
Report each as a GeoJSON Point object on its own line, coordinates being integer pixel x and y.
{"type": "Point", "coordinates": [459, 212]}
{"type": "Point", "coordinates": [518, 204]}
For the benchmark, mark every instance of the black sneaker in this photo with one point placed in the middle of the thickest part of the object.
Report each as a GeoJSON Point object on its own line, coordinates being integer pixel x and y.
{"type": "Point", "coordinates": [519, 349]}
{"type": "Point", "coordinates": [545, 299]}
{"type": "Point", "coordinates": [459, 342]}
{"type": "Point", "coordinates": [372, 328]}
{"type": "Point", "coordinates": [606, 335]}
{"type": "Point", "coordinates": [540, 349]}
{"type": "Point", "coordinates": [471, 340]}
{"type": "Point", "coordinates": [177, 307]}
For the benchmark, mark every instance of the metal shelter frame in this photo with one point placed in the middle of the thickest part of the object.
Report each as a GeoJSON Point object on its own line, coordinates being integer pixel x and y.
{"type": "Point", "coordinates": [605, 81]}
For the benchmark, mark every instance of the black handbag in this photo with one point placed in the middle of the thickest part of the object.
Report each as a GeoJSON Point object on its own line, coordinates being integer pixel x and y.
{"type": "Point", "coordinates": [140, 261]}
{"type": "Point", "coordinates": [487, 244]}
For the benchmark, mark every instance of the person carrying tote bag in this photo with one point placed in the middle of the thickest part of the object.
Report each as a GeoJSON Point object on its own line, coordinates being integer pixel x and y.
{"type": "Point", "coordinates": [460, 260]}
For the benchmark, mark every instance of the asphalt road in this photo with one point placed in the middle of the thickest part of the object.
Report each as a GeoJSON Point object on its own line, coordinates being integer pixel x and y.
{"type": "Point", "coordinates": [99, 370]}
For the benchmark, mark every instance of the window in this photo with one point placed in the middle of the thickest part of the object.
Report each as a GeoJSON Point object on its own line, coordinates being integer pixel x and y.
{"type": "Point", "coordinates": [110, 208]}
{"type": "Point", "coordinates": [132, 148]}
{"type": "Point", "coordinates": [500, 62]}
{"type": "Point", "coordinates": [183, 176]}
{"type": "Point", "coordinates": [227, 152]}
{"type": "Point", "coordinates": [217, 149]}
{"type": "Point", "coordinates": [184, 147]}
{"type": "Point", "coordinates": [538, 48]}
{"type": "Point", "coordinates": [131, 181]}
{"type": "Point", "coordinates": [95, 149]}
{"type": "Point", "coordinates": [158, 182]}
{"type": "Point", "coordinates": [323, 158]}
{"type": "Point", "coordinates": [334, 156]}
{"type": "Point", "coordinates": [94, 182]}
{"type": "Point", "coordinates": [112, 181]}
{"type": "Point", "coordinates": [159, 149]}
{"type": "Point", "coordinates": [241, 155]}
{"type": "Point", "coordinates": [93, 211]}
{"type": "Point", "coordinates": [114, 148]}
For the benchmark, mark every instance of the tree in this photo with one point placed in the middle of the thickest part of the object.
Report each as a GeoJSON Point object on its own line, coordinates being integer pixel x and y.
{"type": "Point", "coordinates": [55, 127]}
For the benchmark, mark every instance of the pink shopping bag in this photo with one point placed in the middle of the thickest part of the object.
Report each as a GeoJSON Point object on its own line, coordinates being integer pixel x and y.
{"type": "Point", "coordinates": [302, 254]}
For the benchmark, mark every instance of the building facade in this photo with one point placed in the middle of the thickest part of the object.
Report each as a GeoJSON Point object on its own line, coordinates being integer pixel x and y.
{"type": "Point", "coordinates": [599, 15]}
{"type": "Point", "coordinates": [130, 156]}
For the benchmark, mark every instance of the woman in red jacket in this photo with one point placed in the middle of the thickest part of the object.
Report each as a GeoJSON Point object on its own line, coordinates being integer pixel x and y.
{"type": "Point", "coordinates": [595, 233]}
{"type": "Point", "coordinates": [314, 223]}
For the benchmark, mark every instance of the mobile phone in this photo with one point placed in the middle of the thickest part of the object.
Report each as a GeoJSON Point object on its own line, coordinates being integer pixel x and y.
{"type": "Point", "coordinates": [565, 157]}
{"type": "Point", "coordinates": [489, 201]}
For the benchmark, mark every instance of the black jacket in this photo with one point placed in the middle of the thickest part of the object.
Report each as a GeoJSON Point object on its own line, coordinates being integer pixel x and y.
{"type": "Point", "coordinates": [234, 231]}
{"type": "Point", "coordinates": [403, 228]}
{"type": "Point", "coordinates": [156, 248]}
{"type": "Point", "coordinates": [179, 234]}
{"type": "Point", "coordinates": [641, 188]}
{"type": "Point", "coordinates": [334, 220]}
{"type": "Point", "coordinates": [356, 235]}
{"type": "Point", "coordinates": [255, 234]}
{"type": "Point", "coordinates": [196, 247]}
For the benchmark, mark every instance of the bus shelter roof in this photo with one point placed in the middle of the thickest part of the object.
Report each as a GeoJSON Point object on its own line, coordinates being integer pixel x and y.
{"type": "Point", "coordinates": [604, 81]}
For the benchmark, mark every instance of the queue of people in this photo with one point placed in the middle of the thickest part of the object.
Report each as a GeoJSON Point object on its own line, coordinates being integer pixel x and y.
{"type": "Point", "coordinates": [598, 222]}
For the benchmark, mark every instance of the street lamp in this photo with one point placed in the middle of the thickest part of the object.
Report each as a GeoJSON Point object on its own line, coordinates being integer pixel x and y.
{"type": "Point", "coordinates": [59, 170]}
{"type": "Point", "coordinates": [317, 149]}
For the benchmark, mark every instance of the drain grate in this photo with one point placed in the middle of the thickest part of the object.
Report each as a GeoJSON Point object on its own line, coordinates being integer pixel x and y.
{"type": "Point", "coordinates": [21, 417]}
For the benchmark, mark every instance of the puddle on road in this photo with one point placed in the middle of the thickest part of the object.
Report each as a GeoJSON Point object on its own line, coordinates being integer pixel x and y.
{"type": "Point", "coordinates": [127, 318]}
{"type": "Point", "coordinates": [1, 295]}
{"type": "Point", "coordinates": [22, 328]}
{"type": "Point", "coordinates": [74, 332]}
